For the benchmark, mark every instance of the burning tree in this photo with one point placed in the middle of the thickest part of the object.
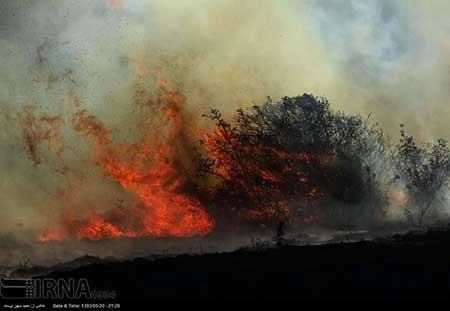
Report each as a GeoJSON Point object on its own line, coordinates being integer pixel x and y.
{"type": "Point", "coordinates": [425, 170]}
{"type": "Point", "coordinates": [295, 159]}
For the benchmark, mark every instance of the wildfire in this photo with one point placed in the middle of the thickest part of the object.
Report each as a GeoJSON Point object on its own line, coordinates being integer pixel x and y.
{"type": "Point", "coordinates": [148, 169]}
{"type": "Point", "coordinates": [261, 174]}
{"type": "Point", "coordinates": [259, 181]}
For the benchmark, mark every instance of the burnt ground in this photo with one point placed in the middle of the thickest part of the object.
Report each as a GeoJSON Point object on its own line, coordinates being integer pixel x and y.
{"type": "Point", "coordinates": [414, 266]}
{"type": "Point", "coordinates": [411, 267]}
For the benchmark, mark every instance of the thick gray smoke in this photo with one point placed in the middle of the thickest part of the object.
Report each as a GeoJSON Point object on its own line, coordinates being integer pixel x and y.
{"type": "Point", "coordinates": [388, 58]}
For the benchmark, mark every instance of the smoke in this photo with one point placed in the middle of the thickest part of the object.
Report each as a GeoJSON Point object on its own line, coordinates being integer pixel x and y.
{"type": "Point", "coordinates": [388, 58]}
{"type": "Point", "coordinates": [393, 56]}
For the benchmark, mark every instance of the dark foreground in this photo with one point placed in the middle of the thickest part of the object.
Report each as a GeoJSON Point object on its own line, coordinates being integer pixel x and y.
{"type": "Point", "coordinates": [409, 267]}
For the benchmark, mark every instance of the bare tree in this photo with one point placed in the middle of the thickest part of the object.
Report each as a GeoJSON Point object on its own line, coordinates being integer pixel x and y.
{"type": "Point", "coordinates": [425, 170]}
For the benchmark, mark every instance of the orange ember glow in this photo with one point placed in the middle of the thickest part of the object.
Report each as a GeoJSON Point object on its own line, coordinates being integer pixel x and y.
{"type": "Point", "coordinates": [398, 196]}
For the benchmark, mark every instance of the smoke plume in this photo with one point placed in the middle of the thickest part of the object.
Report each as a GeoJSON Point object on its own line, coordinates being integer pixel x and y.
{"type": "Point", "coordinates": [109, 57]}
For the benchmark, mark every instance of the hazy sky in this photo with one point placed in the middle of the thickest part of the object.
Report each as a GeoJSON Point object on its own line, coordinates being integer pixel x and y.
{"type": "Point", "coordinates": [388, 58]}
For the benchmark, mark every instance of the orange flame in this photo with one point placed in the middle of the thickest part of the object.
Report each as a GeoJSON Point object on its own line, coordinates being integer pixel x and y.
{"type": "Point", "coordinates": [267, 201]}
{"type": "Point", "coordinates": [147, 169]}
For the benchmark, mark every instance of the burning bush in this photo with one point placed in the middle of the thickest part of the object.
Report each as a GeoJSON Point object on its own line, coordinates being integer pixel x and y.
{"type": "Point", "coordinates": [293, 161]}
{"type": "Point", "coordinates": [296, 159]}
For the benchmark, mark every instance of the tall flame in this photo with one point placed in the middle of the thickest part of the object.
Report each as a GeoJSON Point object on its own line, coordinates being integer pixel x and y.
{"type": "Point", "coordinates": [148, 170]}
